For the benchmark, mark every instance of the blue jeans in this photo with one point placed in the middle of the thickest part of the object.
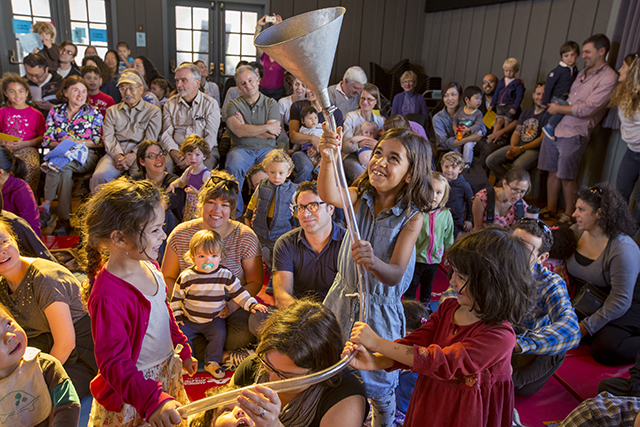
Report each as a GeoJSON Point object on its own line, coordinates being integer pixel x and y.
{"type": "Point", "coordinates": [239, 161]}
{"type": "Point", "coordinates": [214, 332]}
{"type": "Point", "coordinates": [555, 119]}
{"type": "Point", "coordinates": [304, 167]}
{"type": "Point", "coordinates": [628, 174]}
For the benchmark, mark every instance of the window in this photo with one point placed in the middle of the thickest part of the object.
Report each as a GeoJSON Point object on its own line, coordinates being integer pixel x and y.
{"type": "Point", "coordinates": [239, 30]}
{"type": "Point", "coordinates": [88, 25]}
{"type": "Point", "coordinates": [192, 34]}
{"type": "Point", "coordinates": [25, 12]}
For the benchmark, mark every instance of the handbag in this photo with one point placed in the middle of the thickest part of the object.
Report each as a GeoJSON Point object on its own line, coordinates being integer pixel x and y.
{"type": "Point", "coordinates": [590, 298]}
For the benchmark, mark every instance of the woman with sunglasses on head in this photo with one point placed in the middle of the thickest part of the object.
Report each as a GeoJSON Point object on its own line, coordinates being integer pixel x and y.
{"type": "Point", "coordinates": [626, 97]}
{"type": "Point", "coordinates": [607, 257]}
{"type": "Point", "coordinates": [151, 161]}
{"type": "Point", "coordinates": [217, 203]}
{"type": "Point", "coordinates": [509, 200]}
{"type": "Point", "coordinates": [301, 339]}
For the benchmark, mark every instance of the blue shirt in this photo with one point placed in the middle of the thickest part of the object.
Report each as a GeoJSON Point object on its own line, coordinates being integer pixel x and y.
{"type": "Point", "coordinates": [293, 253]}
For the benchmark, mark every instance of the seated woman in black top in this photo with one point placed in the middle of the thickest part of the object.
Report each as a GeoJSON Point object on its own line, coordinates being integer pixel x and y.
{"type": "Point", "coordinates": [301, 339]}
{"type": "Point", "coordinates": [607, 257]}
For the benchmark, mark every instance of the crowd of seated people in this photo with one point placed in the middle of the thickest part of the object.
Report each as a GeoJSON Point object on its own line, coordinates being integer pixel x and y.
{"type": "Point", "coordinates": [159, 173]}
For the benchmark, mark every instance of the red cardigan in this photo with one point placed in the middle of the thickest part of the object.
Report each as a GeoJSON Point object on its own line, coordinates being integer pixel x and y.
{"type": "Point", "coordinates": [119, 318]}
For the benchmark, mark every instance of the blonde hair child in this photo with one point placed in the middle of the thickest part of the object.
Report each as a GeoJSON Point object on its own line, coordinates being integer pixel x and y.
{"type": "Point", "coordinates": [435, 238]}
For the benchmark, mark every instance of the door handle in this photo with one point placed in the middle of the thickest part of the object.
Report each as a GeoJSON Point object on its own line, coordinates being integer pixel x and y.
{"type": "Point", "coordinates": [13, 59]}
{"type": "Point", "coordinates": [221, 69]}
{"type": "Point", "coordinates": [172, 66]}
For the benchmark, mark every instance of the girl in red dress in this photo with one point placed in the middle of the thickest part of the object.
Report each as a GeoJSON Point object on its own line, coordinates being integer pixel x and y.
{"type": "Point", "coordinates": [463, 352]}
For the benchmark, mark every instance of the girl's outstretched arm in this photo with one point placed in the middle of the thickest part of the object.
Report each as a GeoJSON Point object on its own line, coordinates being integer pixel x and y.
{"type": "Point", "coordinates": [363, 334]}
{"type": "Point", "coordinates": [391, 273]}
{"type": "Point", "coordinates": [327, 181]}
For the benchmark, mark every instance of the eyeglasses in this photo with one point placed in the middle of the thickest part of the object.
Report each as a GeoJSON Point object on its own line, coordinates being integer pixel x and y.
{"type": "Point", "coordinates": [486, 82]}
{"type": "Point", "coordinates": [368, 99]}
{"type": "Point", "coordinates": [153, 156]}
{"type": "Point", "coordinates": [69, 52]}
{"type": "Point", "coordinates": [130, 89]}
{"type": "Point", "coordinates": [282, 375]}
{"type": "Point", "coordinates": [231, 185]}
{"type": "Point", "coordinates": [517, 190]}
{"type": "Point", "coordinates": [540, 223]}
{"type": "Point", "coordinates": [596, 190]}
{"type": "Point", "coordinates": [311, 207]}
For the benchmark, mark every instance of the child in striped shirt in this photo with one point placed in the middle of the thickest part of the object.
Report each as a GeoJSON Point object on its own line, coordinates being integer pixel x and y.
{"type": "Point", "coordinates": [199, 301]}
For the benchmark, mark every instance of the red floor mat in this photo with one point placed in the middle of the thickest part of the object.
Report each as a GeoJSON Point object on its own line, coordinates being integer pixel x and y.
{"type": "Point", "coordinates": [196, 385]}
{"type": "Point", "coordinates": [551, 403]}
{"type": "Point", "coordinates": [583, 374]}
{"type": "Point", "coordinates": [60, 242]}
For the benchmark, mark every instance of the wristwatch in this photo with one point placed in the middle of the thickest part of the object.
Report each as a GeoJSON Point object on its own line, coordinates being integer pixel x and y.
{"type": "Point", "coordinates": [522, 150]}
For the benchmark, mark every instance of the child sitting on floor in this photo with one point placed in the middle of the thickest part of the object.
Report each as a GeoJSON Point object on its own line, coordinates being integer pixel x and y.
{"type": "Point", "coordinates": [199, 299]}
{"type": "Point", "coordinates": [564, 245]}
{"type": "Point", "coordinates": [36, 389]}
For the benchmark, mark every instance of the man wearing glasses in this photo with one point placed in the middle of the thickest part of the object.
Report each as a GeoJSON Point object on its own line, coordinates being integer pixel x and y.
{"type": "Point", "coordinates": [43, 84]}
{"type": "Point", "coordinates": [126, 125]}
{"type": "Point", "coordinates": [551, 328]}
{"type": "Point", "coordinates": [68, 52]}
{"type": "Point", "coordinates": [190, 112]}
{"type": "Point", "coordinates": [315, 243]}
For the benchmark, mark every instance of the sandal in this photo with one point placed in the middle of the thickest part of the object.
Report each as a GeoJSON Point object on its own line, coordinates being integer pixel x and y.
{"type": "Point", "coordinates": [546, 215]}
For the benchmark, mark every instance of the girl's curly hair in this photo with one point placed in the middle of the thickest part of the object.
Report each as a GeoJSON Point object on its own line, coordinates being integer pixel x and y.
{"type": "Point", "coordinates": [626, 96]}
{"type": "Point", "coordinates": [615, 217]}
{"type": "Point", "coordinates": [121, 205]}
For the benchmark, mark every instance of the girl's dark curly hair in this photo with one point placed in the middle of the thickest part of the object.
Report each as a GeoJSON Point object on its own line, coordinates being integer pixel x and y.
{"type": "Point", "coordinates": [121, 205]}
{"type": "Point", "coordinates": [150, 71]}
{"type": "Point", "coordinates": [498, 270]}
{"type": "Point", "coordinates": [564, 241]}
{"type": "Point", "coordinates": [7, 79]}
{"type": "Point", "coordinates": [615, 217]}
{"type": "Point", "coordinates": [419, 191]}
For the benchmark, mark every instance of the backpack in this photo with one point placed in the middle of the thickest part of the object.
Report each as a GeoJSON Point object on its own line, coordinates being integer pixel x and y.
{"type": "Point", "coordinates": [491, 206]}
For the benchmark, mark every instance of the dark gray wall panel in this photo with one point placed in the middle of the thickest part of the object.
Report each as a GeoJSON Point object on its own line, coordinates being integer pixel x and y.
{"type": "Point", "coordinates": [475, 43]}
{"type": "Point", "coordinates": [503, 37]}
{"type": "Point", "coordinates": [392, 32]}
{"type": "Point", "coordinates": [488, 41]}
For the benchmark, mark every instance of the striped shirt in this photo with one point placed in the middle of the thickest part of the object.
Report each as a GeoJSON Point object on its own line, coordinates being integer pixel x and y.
{"type": "Point", "coordinates": [240, 244]}
{"type": "Point", "coordinates": [200, 297]}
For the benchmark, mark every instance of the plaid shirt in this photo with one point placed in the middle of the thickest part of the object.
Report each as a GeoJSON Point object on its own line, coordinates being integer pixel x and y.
{"type": "Point", "coordinates": [604, 410]}
{"type": "Point", "coordinates": [552, 326]}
